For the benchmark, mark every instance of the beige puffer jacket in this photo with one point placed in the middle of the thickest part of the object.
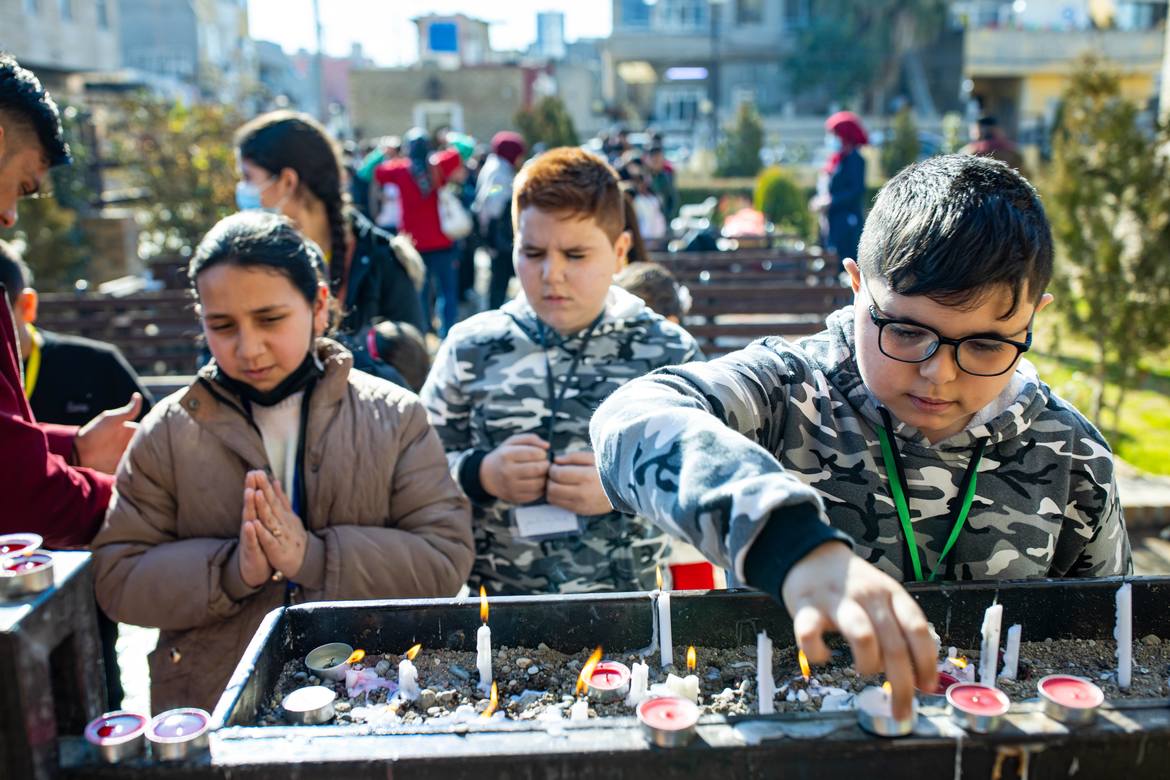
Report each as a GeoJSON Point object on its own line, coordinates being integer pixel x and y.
{"type": "Point", "coordinates": [387, 521]}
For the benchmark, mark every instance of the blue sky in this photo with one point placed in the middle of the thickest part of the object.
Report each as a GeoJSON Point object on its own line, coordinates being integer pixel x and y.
{"type": "Point", "coordinates": [384, 29]}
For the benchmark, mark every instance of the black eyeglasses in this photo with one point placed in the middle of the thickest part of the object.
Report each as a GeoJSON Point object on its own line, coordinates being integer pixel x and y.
{"type": "Point", "coordinates": [910, 342]}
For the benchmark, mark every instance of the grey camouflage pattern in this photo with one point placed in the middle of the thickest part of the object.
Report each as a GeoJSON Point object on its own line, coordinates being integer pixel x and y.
{"type": "Point", "coordinates": [489, 382]}
{"type": "Point", "coordinates": [710, 450]}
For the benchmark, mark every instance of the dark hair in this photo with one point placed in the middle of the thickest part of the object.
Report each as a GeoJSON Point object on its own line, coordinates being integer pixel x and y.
{"type": "Point", "coordinates": [286, 139]}
{"type": "Point", "coordinates": [257, 239]}
{"type": "Point", "coordinates": [637, 253]}
{"type": "Point", "coordinates": [653, 284]}
{"type": "Point", "coordinates": [954, 228]}
{"type": "Point", "coordinates": [15, 274]}
{"type": "Point", "coordinates": [400, 345]}
{"type": "Point", "coordinates": [25, 101]}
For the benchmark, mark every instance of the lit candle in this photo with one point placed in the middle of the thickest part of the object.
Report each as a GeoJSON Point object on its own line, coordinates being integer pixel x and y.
{"type": "Point", "coordinates": [682, 687]}
{"type": "Point", "coordinates": [580, 708]}
{"type": "Point", "coordinates": [483, 645]}
{"type": "Point", "coordinates": [639, 681]}
{"type": "Point", "coordinates": [875, 713]}
{"type": "Point", "coordinates": [665, 637]}
{"type": "Point", "coordinates": [1123, 633]}
{"type": "Point", "coordinates": [408, 675]}
{"type": "Point", "coordinates": [609, 681]}
{"type": "Point", "coordinates": [1011, 653]}
{"type": "Point", "coordinates": [989, 653]}
{"type": "Point", "coordinates": [765, 683]}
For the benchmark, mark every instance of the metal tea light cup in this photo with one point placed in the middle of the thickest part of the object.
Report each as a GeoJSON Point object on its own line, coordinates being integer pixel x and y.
{"type": "Point", "coordinates": [328, 661]}
{"type": "Point", "coordinates": [975, 722]}
{"type": "Point", "coordinates": [939, 697]}
{"type": "Point", "coordinates": [1080, 715]}
{"type": "Point", "coordinates": [668, 721]}
{"type": "Point", "coordinates": [14, 544]}
{"type": "Point", "coordinates": [176, 735]}
{"type": "Point", "coordinates": [117, 736]}
{"type": "Point", "coordinates": [875, 715]}
{"type": "Point", "coordinates": [609, 682]}
{"type": "Point", "coordinates": [309, 706]}
{"type": "Point", "coordinates": [25, 574]}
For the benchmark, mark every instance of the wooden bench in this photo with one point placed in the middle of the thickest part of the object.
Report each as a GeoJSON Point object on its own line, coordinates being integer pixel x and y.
{"type": "Point", "coordinates": [810, 267]}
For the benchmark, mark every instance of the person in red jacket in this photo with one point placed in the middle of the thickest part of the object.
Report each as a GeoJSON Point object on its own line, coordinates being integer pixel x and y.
{"type": "Point", "coordinates": [419, 177]}
{"type": "Point", "coordinates": [56, 479]}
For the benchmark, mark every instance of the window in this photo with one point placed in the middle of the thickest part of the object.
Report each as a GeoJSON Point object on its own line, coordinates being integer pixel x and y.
{"type": "Point", "coordinates": [31, 7]}
{"type": "Point", "coordinates": [684, 15]}
{"type": "Point", "coordinates": [797, 13]}
{"type": "Point", "coordinates": [635, 13]}
{"type": "Point", "coordinates": [678, 105]}
{"type": "Point", "coordinates": [103, 14]}
{"type": "Point", "coordinates": [749, 12]}
{"type": "Point", "coordinates": [67, 10]}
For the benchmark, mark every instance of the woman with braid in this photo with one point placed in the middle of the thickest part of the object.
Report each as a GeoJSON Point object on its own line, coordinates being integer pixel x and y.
{"type": "Point", "coordinates": [290, 165]}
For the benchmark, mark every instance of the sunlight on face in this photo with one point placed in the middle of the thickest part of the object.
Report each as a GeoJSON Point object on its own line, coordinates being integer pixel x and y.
{"type": "Point", "coordinates": [23, 167]}
{"type": "Point", "coordinates": [566, 263]}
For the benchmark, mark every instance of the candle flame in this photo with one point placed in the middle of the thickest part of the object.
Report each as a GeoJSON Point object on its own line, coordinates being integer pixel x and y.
{"type": "Point", "coordinates": [493, 702]}
{"type": "Point", "coordinates": [691, 658]}
{"type": "Point", "coordinates": [959, 663]}
{"type": "Point", "coordinates": [412, 652]}
{"type": "Point", "coordinates": [805, 670]}
{"type": "Point", "coordinates": [658, 576]}
{"type": "Point", "coordinates": [355, 656]}
{"type": "Point", "coordinates": [887, 687]}
{"type": "Point", "coordinates": [483, 605]}
{"type": "Point", "coordinates": [587, 671]}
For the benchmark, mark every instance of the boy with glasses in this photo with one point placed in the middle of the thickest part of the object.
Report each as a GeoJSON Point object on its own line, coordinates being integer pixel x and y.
{"type": "Point", "coordinates": [911, 430]}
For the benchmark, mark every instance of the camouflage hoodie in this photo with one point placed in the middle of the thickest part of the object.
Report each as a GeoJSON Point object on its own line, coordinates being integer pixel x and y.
{"type": "Point", "coordinates": [784, 435]}
{"type": "Point", "coordinates": [490, 382]}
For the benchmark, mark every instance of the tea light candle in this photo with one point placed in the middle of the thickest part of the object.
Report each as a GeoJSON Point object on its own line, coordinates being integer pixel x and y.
{"type": "Point", "coordinates": [25, 573]}
{"type": "Point", "coordinates": [668, 721]}
{"type": "Point", "coordinates": [639, 681]}
{"type": "Point", "coordinates": [310, 705]}
{"type": "Point", "coordinates": [937, 697]}
{"type": "Point", "coordinates": [765, 682]}
{"type": "Point", "coordinates": [331, 661]}
{"type": "Point", "coordinates": [609, 681]}
{"type": "Point", "coordinates": [1011, 653]}
{"type": "Point", "coordinates": [665, 637]}
{"type": "Point", "coordinates": [875, 713]}
{"type": "Point", "coordinates": [1123, 633]}
{"type": "Point", "coordinates": [1070, 700]}
{"type": "Point", "coordinates": [989, 652]}
{"type": "Point", "coordinates": [977, 708]}
{"type": "Point", "coordinates": [16, 543]}
{"type": "Point", "coordinates": [483, 645]}
{"type": "Point", "coordinates": [176, 735]}
{"type": "Point", "coordinates": [117, 735]}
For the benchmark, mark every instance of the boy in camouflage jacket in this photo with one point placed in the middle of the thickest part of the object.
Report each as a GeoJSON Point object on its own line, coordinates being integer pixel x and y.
{"type": "Point", "coordinates": [911, 430]}
{"type": "Point", "coordinates": [541, 519]}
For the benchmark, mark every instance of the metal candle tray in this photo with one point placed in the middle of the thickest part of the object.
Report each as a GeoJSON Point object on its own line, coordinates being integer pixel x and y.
{"type": "Point", "coordinates": [1130, 739]}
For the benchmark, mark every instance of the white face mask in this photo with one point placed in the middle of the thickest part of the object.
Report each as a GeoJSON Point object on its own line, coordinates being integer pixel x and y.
{"type": "Point", "coordinates": [832, 142]}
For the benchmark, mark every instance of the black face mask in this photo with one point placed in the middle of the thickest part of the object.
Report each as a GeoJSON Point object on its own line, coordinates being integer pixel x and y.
{"type": "Point", "coordinates": [305, 374]}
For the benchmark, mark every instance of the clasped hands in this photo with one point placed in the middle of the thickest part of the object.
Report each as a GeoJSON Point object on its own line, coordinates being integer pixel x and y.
{"type": "Point", "coordinates": [272, 537]}
{"type": "Point", "coordinates": [519, 471]}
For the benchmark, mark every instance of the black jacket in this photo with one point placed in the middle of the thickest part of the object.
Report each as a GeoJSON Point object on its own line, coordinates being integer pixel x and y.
{"type": "Point", "coordinates": [79, 378]}
{"type": "Point", "coordinates": [379, 287]}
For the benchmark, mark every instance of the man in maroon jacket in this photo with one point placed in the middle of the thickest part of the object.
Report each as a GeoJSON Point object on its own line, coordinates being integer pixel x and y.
{"type": "Point", "coordinates": [55, 479]}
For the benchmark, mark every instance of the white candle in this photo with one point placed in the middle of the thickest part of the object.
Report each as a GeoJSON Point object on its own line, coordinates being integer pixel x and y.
{"type": "Point", "coordinates": [579, 710]}
{"type": "Point", "coordinates": [407, 680]}
{"type": "Point", "coordinates": [765, 683]}
{"type": "Point", "coordinates": [664, 632]}
{"type": "Point", "coordinates": [483, 661]}
{"type": "Point", "coordinates": [1011, 653]}
{"type": "Point", "coordinates": [682, 687]}
{"type": "Point", "coordinates": [989, 652]}
{"type": "Point", "coordinates": [639, 681]}
{"type": "Point", "coordinates": [1123, 633]}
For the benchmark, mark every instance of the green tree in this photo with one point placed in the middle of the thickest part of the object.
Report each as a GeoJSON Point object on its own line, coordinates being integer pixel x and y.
{"type": "Point", "coordinates": [903, 146]}
{"type": "Point", "coordinates": [855, 49]}
{"type": "Point", "coordinates": [1109, 201]}
{"type": "Point", "coordinates": [739, 151]}
{"type": "Point", "coordinates": [547, 122]}
{"type": "Point", "coordinates": [779, 198]}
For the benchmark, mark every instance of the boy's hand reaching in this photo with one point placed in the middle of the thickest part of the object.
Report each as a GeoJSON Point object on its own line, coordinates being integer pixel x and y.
{"type": "Point", "coordinates": [574, 484]}
{"type": "Point", "coordinates": [833, 588]}
{"type": "Point", "coordinates": [517, 470]}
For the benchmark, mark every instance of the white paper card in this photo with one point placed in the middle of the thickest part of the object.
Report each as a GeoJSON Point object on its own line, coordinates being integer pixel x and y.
{"type": "Point", "coordinates": [544, 520]}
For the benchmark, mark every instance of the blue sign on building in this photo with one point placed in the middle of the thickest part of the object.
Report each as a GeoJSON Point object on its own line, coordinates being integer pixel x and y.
{"type": "Point", "coordinates": [443, 38]}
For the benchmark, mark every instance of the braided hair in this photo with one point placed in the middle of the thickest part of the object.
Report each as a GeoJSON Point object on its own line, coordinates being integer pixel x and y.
{"type": "Point", "coordinates": [287, 139]}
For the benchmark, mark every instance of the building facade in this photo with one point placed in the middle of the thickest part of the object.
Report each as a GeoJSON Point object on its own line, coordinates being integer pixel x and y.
{"type": "Point", "coordinates": [57, 38]}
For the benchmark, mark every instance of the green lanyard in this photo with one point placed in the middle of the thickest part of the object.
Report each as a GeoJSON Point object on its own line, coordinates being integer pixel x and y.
{"type": "Point", "coordinates": [893, 463]}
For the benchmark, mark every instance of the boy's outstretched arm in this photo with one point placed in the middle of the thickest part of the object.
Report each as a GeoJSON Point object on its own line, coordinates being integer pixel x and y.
{"type": "Point", "coordinates": [691, 448]}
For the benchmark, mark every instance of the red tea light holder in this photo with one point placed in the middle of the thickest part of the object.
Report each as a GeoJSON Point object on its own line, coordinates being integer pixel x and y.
{"type": "Point", "coordinates": [1070, 700]}
{"type": "Point", "coordinates": [25, 573]}
{"type": "Point", "coordinates": [330, 662]}
{"type": "Point", "coordinates": [937, 698]}
{"type": "Point", "coordinates": [176, 735]}
{"type": "Point", "coordinates": [978, 709]}
{"type": "Point", "coordinates": [609, 682]}
{"type": "Point", "coordinates": [117, 736]}
{"type": "Point", "coordinates": [11, 544]}
{"type": "Point", "coordinates": [668, 721]}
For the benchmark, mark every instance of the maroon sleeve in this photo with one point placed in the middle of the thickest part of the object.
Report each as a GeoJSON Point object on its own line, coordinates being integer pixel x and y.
{"type": "Point", "coordinates": [60, 438]}
{"type": "Point", "coordinates": [447, 161]}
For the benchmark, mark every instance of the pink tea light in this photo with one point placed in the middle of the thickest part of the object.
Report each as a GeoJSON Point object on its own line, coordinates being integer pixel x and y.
{"type": "Point", "coordinates": [668, 721]}
{"type": "Point", "coordinates": [609, 681]}
{"type": "Point", "coordinates": [1070, 700]}
{"type": "Point", "coordinates": [938, 696]}
{"type": "Point", "coordinates": [25, 573]}
{"type": "Point", "coordinates": [977, 708]}
{"type": "Point", "coordinates": [117, 735]}
{"type": "Point", "coordinates": [18, 543]}
{"type": "Point", "coordinates": [176, 735]}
